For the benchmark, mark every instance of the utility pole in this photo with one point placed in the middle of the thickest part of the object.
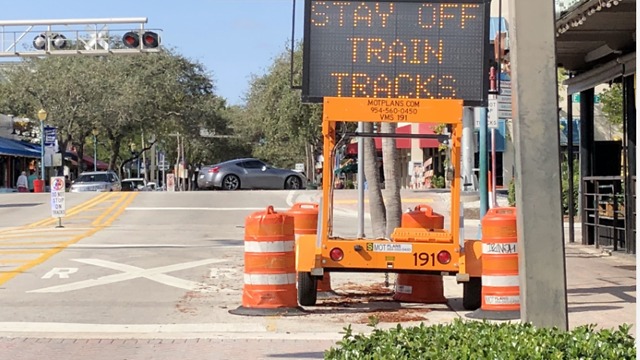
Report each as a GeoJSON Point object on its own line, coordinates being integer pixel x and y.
{"type": "Point", "coordinates": [468, 150]}
{"type": "Point", "coordinates": [481, 115]}
{"type": "Point", "coordinates": [543, 290]}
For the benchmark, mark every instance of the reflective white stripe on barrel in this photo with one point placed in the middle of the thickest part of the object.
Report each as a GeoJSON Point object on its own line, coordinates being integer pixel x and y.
{"type": "Point", "coordinates": [500, 281]}
{"type": "Point", "coordinates": [501, 300]}
{"type": "Point", "coordinates": [499, 248]}
{"type": "Point", "coordinates": [269, 246]}
{"type": "Point", "coordinates": [269, 279]}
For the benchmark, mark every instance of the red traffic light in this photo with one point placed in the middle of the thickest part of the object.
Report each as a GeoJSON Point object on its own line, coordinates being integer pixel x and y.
{"type": "Point", "coordinates": [131, 40]}
{"type": "Point", "coordinates": [150, 39]}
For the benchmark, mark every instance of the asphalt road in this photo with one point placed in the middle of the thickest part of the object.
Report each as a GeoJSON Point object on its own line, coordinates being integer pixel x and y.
{"type": "Point", "coordinates": [160, 265]}
{"type": "Point", "coordinates": [154, 275]}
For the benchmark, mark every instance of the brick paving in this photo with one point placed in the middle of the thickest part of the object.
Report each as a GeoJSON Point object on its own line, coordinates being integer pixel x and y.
{"type": "Point", "coordinates": [160, 349]}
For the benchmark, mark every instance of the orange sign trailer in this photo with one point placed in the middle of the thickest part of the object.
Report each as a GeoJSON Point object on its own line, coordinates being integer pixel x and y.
{"type": "Point", "coordinates": [415, 250]}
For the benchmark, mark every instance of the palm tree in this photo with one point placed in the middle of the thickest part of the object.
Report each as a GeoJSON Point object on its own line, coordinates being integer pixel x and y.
{"type": "Point", "coordinates": [392, 200]}
{"type": "Point", "coordinates": [372, 174]}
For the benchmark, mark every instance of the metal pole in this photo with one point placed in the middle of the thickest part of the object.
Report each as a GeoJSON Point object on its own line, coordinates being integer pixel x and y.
{"type": "Point", "coordinates": [42, 168]}
{"type": "Point", "coordinates": [541, 252]}
{"type": "Point", "coordinates": [360, 182]}
{"type": "Point", "coordinates": [144, 160]}
{"type": "Point", "coordinates": [481, 113]}
{"type": "Point", "coordinates": [468, 150]}
{"type": "Point", "coordinates": [95, 152]}
{"type": "Point", "coordinates": [570, 164]}
{"type": "Point", "coordinates": [494, 197]}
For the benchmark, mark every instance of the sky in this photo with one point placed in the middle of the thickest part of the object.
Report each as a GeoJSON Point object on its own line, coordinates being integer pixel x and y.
{"type": "Point", "coordinates": [233, 39]}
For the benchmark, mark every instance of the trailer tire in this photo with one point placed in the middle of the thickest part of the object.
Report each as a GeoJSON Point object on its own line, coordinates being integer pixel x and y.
{"type": "Point", "coordinates": [307, 289]}
{"type": "Point", "coordinates": [472, 293]}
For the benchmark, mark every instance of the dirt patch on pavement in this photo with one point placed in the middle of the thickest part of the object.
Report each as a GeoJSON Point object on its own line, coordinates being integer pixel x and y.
{"type": "Point", "coordinates": [393, 316]}
{"type": "Point", "coordinates": [369, 303]}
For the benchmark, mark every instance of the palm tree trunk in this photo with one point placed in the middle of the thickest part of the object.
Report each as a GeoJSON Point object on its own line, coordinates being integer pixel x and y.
{"type": "Point", "coordinates": [372, 174]}
{"type": "Point", "coordinates": [391, 170]}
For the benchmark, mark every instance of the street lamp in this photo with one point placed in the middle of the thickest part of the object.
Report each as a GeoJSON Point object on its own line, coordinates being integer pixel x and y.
{"type": "Point", "coordinates": [42, 115]}
{"type": "Point", "coordinates": [95, 133]}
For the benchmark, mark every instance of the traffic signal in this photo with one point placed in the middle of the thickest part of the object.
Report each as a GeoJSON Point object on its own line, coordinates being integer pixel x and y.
{"type": "Point", "coordinates": [150, 40]}
{"type": "Point", "coordinates": [131, 40]}
{"type": "Point", "coordinates": [40, 42]}
{"type": "Point", "coordinates": [58, 41]}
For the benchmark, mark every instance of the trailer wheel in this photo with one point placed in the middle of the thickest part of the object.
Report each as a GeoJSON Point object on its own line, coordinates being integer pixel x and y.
{"type": "Point", "coordinates": [472, 293]}
{"type": "Point", "coordinates": [307, 289]}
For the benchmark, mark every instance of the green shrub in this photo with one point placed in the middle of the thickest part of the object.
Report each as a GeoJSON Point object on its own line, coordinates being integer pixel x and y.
{"type": "Point", "coordinates": [438, 182]}
{"type": "Point", "coordinates": [472, 340]}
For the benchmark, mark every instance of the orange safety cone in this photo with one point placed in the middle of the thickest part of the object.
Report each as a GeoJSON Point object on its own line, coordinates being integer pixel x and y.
{"type": "Point", "coordinates": [305, 217]}
{"type": "Point", "coordinates": [428, 289]}
{"type": "Point", "coordinates": [269, 266]}
{"type": "Point", "coordinates": [500, 280]}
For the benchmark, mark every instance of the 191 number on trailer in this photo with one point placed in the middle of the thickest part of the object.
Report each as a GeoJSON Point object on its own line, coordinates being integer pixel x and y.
{"type": "Point", "coordinates": [424, 259]}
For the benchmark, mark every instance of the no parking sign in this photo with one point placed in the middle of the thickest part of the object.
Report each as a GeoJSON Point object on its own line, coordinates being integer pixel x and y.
{"type": "Point", "coordinates": [58, 209]}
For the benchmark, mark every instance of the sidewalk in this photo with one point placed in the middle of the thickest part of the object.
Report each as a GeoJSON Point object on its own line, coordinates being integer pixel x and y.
{"type": "Point", "coordinates": [600, 284]}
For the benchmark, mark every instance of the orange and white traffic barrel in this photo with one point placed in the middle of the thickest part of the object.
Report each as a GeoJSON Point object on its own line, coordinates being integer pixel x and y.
{"type": "Point", "coordinates": [500, 280]}
{"type": "Point", "coordinates": [305, 217]}
{"type": "Point", "coordinates": [269, 265]}
{"type": "Point", "coordinates": [428, 289]}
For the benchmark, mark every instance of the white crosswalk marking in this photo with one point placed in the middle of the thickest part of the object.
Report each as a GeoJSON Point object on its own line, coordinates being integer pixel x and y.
{"type": "Point", "coordinates": [129, 272]}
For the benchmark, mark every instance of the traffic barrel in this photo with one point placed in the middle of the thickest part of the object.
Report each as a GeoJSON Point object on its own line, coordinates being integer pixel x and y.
{"type": "Point", "coordinates": [269, 266]}
{"type": "Point", "coordinates": [427, 289]}
{"type": "Point", "coordinates": [305, 217]}
{"type": "Point", "coordinates": [500, 279]}
{"type": "Point", "coordinates": [38, 185]}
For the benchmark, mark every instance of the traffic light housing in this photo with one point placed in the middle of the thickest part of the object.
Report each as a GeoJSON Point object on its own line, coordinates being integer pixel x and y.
{"type": "Point", "coordinates": [150, 40]}
{"type": "Point", "coordinates": [58, 41]}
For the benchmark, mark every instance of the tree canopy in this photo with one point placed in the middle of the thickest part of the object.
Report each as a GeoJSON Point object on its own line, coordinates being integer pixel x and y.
{"type": "Point", "coordinates": [121, 97]}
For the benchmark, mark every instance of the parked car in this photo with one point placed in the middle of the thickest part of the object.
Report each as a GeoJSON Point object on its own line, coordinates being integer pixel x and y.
{"type": "Point", "coordinates": [134, 184]}
{"type": "Point", "coordinates": [248, 174]}
{"type": "Point", "coordinates": [96, 181]}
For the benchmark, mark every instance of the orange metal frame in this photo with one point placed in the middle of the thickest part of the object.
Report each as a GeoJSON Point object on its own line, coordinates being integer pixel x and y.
{"type": "Point", "coordinates": [376, 254]}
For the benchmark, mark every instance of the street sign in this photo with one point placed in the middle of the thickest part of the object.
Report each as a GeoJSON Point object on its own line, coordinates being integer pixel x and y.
{"type": "Point", "coordinates": [58, 208]}
{"type": "Point", "coordinates": [492, 117]}
{"type": "Point", "coordinates": [163, 166]}
{"type": "Point", "coordinates": [171, 182]}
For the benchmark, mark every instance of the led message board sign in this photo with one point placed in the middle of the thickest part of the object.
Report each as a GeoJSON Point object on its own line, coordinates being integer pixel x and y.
{"type": "Point", "coordinates": [396, 49]}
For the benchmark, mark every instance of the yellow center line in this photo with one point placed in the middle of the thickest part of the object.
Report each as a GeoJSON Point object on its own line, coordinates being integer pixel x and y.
{"type": "Point", "coordinates": [75, 210]}
{"type": "Point", "coordinates": [124, 201]}
{"type": "Point", "coordinates": [32, 243]}
{"type": "Point", "coordinates": [14, 261]}
{"type": "Point", "coordinates": [4, 238]}
{"type": "Point", "coordinates": [20, 251]}
{"type": "Point", "coordinates": [106, 213]}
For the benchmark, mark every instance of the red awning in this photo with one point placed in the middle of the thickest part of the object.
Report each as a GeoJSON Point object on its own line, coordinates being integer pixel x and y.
{"type": "Point", "coordinates": [425, 128]}
{"type": "Point", "coordinates": [100, 165]}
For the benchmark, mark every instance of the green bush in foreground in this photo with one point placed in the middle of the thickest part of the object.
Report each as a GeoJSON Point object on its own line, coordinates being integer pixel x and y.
{"type": "Point", "coordinates": [483, 340]}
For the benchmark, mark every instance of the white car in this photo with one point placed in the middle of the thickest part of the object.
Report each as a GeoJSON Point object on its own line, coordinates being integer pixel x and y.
{"type": "Point", "coordinates": [134, 184]}
{"type": "Point", "coordinates": [96, 181]}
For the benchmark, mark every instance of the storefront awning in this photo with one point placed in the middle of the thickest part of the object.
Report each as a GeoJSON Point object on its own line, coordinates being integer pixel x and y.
{"type": "Point", "coordinates": [403, 143]}
{"type": "Point", "coordinates": [12, 147]}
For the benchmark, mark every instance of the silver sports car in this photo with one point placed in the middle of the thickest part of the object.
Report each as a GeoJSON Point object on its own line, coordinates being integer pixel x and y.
{"type": "Point", "coordinates": [248, 174]}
